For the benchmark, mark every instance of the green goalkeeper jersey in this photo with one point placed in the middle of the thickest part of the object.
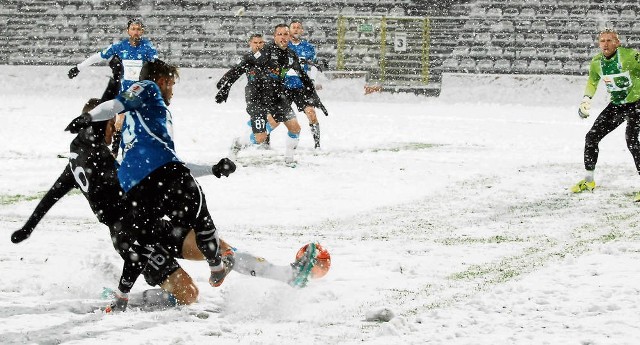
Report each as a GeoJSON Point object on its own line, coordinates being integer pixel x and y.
{"type": "Point", "coordinates": [620, 74]}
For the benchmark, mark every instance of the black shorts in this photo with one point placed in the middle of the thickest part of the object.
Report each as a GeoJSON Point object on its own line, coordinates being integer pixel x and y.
{"type": "Point", "coordinates": [302, 98]}
{"type": "Point", "coordinates": [162, 262]}
{"type": "Point", "coordinates": [267, 98]}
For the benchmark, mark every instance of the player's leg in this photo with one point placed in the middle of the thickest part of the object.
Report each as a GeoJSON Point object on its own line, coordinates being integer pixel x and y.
{"type": "Point", "coordinates": [608, 120]}
{"type": "Point", "coordinates": [247, 263]}
{"type": "Point", "coordinates": [305, 103]}
{"type": "Point", "coordinates": [293, 138]}
{"type": "Point", "coordinates": [310, 111]}
{"type": "Point", "coordinates": [631, 134]}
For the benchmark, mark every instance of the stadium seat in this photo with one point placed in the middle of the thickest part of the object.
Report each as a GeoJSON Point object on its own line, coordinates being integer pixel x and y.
{"type": "Point", "coordinates": [477, 52]}
{"type": "Point", "coordinates": [520, 66]}
{"type": "Point", "coordinates": [494, 13]}
{"type": "Point", "coordinates": [554, 66]}
{"type": "Point", "coordinates": [527, 53]}
{"type": "Point", "coordinates": [502, 26]}
{"type": "Point", "coordinates": [627, 14]}
{"type": "Point", "coordinates": [561, 13]}
{"type": "Point", "coordinates": [539, 26]}
{"type": "Point", "coordinates": [467, 65]}
{"type": "Point", "coordinates": [537, 66]}
{"type": "Point", "coordinates": [493, 53]}
{"type": "Point", "coordinates": [450, 65]}
{"type": "Point", "coordinates": [484, 66]}
{"type": "Point", "coordinates": [502, 66]}
{"type": "Point", "coordinates": [477, 12]}
{"type": "Point", "coordinates": [527, 13]}
{"type": "Point", "coordinates": [397, 12]}
{"type": "Point", "coordinates": [460, 52]}
{"type": "Point", "coordinates": [510, 12]}
{"type": "Point", "coordinates": [578, 12]}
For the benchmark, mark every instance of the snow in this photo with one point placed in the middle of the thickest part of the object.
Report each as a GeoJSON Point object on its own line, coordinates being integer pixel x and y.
{"type": "Point", "coordinates": [449, 217]}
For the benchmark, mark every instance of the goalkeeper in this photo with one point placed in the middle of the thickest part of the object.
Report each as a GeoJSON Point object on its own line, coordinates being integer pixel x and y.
{"type": "Point", "coordinates": [619, 69]}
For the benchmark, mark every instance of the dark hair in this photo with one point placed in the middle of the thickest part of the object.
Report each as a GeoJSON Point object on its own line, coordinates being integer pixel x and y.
{"type": "Point", "coordinates": [255, 36]}
{"type": "Point", "coordinates": [135, 21]}
{"type": "Point", "coordinates": [295, 21]}
{"type": "Point", "coordinates": [154, 70]}
{"type": "Point", "coordinates": [91, 103]}
{"type": "Point", "coordinates": [280, 26]}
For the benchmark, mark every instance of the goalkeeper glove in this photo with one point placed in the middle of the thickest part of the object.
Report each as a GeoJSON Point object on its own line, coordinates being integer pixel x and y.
{"type": "Point", "coordinates": [585, 106]}
{"type": "Point", "coordinates": [73, 72]}
{"type": "Point", "coordinates": [225, 167]}
{"type": "Point", "coordinates": [79, 123]}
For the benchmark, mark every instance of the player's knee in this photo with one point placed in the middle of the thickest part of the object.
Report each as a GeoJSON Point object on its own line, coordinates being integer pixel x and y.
{"type": "Point", "coordinates": [187, 294]}
{"type": "Point", "coordinates": [261, 137]}
{"type": "Point", "coordinates": [311, 114]}
{"type": "Point", "coordinates": [181, 285]}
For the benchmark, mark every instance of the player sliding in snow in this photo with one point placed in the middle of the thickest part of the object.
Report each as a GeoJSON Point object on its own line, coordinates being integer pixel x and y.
{"type": "Point", "coordinates": [93, 169]}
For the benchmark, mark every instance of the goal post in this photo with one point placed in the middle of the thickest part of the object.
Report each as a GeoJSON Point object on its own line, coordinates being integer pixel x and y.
{"type": "Point", "coordinates": [394, 51]}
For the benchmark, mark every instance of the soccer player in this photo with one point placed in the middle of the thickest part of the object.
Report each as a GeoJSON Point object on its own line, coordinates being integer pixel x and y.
{"type": "Point", "coordinates": [265, 94]}
{"type": "Point", "coordinates": [126, 58]}
{"type": "Point", "coordinates": [305, 99]}
{"type": "Point", "coordinates": [619, 68]}
{"type": "Point", "coordinates": [131, 52]}
{"type": "Point", "coordinates": [256, 43]}
{"type": "Point", "coordinates": [156, 182]}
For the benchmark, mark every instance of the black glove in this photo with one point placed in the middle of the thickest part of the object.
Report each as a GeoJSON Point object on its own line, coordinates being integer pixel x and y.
{"type": "Point", "coordinates": [318, 103]}
{"type": "Point", "coordinates": [222, 95]}
{"type": "Point", "coordinates": [79, 123]}
{"type": "Point", "coordinates": [20, 235]}
{"type": "Point", "coordinates": [221, 83]}
{"type": "Point", "coordinates": [224, 167]}
{"type": "Point", "coordinates": [73, 72]}
{"type": "Point", "coordinates": [322, 64]}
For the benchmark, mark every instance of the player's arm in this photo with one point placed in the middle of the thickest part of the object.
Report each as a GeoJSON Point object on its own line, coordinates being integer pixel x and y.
{"type": "Point", "coordinates": [231, 76]}
{"type": "Point", "coordinates": [224, 167]}
{"type": "Point", "coordinates": [60, 188]}
{"type": "Point", "coordinates": [93, 59]}
{"type": "Point", "coordinates": [590, 89]}
{"type": "Point", "coordinates": [594, 78]}
{"type": "Point", "coordinates": [306, 81]}
{"type": "Point", "coordinates": [131, 99]}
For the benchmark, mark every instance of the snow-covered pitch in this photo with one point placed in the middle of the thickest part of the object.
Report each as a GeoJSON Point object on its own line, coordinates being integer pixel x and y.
{"type": "Point", "coordinates": [448, 217]}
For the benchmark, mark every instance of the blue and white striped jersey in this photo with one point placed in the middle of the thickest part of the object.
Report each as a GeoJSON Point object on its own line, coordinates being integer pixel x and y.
{"type": "Point", "coordinates": [132, 59]}
{"type": "Point", "coordinates": [147, 133]}
{"type": "Point", "coordinates": [305, 51]}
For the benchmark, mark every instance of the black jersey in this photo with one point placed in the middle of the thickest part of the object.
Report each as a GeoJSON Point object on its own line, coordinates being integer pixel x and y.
{"type": "Point", "coordinates": [93, 169]}
{"type": "Point", "coordinates": [268, 66]}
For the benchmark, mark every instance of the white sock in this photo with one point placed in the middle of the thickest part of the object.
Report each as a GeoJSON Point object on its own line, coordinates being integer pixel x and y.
{"type": "Point", "coordinates": [246, 263]}
{"type": "Point", "coordinates": [292, 144]}
{"type": "Point", "coordinates": [589, 176]}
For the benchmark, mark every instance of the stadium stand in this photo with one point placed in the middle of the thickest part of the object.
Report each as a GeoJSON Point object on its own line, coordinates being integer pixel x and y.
{"type": "Point", "coordinates": [465, 36]}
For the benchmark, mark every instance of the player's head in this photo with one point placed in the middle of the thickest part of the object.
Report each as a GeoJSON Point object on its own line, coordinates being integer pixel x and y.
{"type": "Point", "coordinates": [163, 74]}
{"type": "Point", "coordinates": [281, 35]}
{"type": "Point", "coordinates": [102, 130]}
{"type": "Point", "coordinates": [296, 30]}
{"type": "Point", "coordinates": [135, 29]}
{"type": "Point", "coordinates": [608, 41]}
{"type": "Point", "coordinates": [256, 42]}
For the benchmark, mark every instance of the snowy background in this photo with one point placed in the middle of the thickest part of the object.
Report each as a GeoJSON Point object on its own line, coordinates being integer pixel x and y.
{"type": "Point", "coordinates": [452, 213]}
